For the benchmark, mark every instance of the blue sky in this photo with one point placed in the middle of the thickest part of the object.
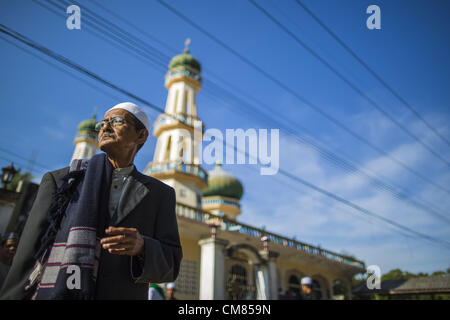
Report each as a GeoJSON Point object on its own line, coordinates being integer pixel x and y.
{"type": "Point", "coordinates": [42, 106]}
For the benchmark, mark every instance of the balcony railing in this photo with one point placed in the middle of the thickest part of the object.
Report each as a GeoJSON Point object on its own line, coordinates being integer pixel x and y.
{"type": "Point", "coordinates": [170, 119]}
{"type": "Point", "coordinates": [179, 167]}
{"type": "Point", "coordinates": [230, 225]}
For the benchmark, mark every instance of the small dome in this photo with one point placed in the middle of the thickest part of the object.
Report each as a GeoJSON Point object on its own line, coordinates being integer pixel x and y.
{"type": "Point", "coordinates": [222, 183]}
{"type": "Point", "coordinates": [185, 60]}
{"type": "Point", "coordinates": [88, 125]}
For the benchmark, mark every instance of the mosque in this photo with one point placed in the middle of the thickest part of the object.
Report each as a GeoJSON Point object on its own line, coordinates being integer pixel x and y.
{"type": "Point", "coordinates": [222, 257]}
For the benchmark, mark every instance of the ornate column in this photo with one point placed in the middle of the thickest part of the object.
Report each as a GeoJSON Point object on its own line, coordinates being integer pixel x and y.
{"type": "Point", "coordinates": [271, 257]}
{"type": "Point", "coordinates": [331, 281]}
{"type": "Point", "coordinates": [212, 269]}
{"type": "Point", "coordinates": [262, 282]}
{"type": "Point", "coordinates": [349, 286]}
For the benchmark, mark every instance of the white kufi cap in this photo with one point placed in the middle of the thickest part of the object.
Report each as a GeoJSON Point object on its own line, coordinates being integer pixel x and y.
{"type": "Point", "coordinates": [307, 281]}
{"type": "Point", "coordinates": [135, 110]}
{"type": "Point", "coordinates": [171, 285]}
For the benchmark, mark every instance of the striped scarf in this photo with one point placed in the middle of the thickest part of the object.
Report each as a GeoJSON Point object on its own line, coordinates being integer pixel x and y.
{"type": "Point", "coordinates": [67, 261]}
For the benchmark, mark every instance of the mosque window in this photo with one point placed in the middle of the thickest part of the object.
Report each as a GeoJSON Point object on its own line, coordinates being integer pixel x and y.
{"type": "Point", "coordinates": [199, 200]}
{"type": "Point", "coordinates": [317, 289]}
{"type": "Point", "coordinates": [167, 153]}
{"type": "Point", "coordinates": [294, 283]}
{"type": "Point", "coordinates": [176, 101]}
{"type": "Point", "coordinates": [186, 102]}
{"type": "Point", "coordinates": [188, 278]}
{"type": "Point", "coordinates": [237, 284]}
{"type": "Point", "coordinates": [339, 289]}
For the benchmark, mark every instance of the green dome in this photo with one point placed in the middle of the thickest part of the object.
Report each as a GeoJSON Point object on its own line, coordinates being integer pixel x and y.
{"type": "Point", "coordinates": [185, 60]}
{"type": "Point", "coordinates": [222, 183]}
{"type": "Point", "coordinates": [88, 125]}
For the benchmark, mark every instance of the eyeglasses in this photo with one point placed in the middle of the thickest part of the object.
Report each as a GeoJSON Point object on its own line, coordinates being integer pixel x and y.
{"type": "Point", "coordinates": [114, 122]}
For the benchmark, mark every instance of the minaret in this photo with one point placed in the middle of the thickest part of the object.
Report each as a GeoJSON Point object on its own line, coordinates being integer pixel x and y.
{"type": "Point", "coordinates": [223, 193]}
{"type": "Point", "coordinates": [176, 158]}
{"type": "Point", "coordinates": [86, 140]}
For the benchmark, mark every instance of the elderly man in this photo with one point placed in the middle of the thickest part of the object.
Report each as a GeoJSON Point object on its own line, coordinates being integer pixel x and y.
{"type": "Point", "coordinates": [99, 229]}
{"type": "Point", "coordinates": [306, 292]}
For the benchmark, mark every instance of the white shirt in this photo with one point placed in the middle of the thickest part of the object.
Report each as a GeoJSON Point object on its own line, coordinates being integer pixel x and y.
{"type": "Point", "coordinates": [153, 294]}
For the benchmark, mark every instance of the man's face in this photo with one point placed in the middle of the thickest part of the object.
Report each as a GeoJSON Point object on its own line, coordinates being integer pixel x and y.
{"type": "Point", "coordinates": [122, 138]}
{"type": "Point", "coordinates": [9, 250]}
{"type": "Point", "coordinates": [306, 288]}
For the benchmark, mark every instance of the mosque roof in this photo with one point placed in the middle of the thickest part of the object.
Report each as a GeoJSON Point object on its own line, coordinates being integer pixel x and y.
{"type": "Point", "coordinates": [185, 60]}
{"type": "Point", "coordinates": [88, 125]}
{"type": "Point", "coordinates": [223, 183]}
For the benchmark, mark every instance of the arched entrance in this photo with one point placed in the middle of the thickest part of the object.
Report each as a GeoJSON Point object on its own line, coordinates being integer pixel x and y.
{"type": "Point", "coordinates": [240, 265]}
{"type": "Point", "coordinates": [340, 290]}
{"type": "Point", "coordinates": [320, 287]}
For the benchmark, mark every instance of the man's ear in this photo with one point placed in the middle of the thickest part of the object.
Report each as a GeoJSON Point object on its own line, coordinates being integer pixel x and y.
{"type": "Point", "coordinates": [143, 135]}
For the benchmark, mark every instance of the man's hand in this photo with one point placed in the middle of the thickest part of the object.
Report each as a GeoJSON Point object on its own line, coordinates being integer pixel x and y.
{"type": "Point", "coordinates": [123, 241]}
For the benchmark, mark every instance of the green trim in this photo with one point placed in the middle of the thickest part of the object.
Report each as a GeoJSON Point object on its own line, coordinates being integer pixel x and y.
{"type": "Point", "coordinates": [184, 60]}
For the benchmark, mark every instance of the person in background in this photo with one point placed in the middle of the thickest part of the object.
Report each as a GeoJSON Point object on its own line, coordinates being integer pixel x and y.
{"type": "Point", "coordinates": [8, 248]}
{"type": "Point", "coordinates": [307, 293]}
{"type": "Point", "coordinates": [155, 292]}
{"type": "Point", "coordinates": [281, 294]}
{"type": "Point", "coordinates": [170, 290]}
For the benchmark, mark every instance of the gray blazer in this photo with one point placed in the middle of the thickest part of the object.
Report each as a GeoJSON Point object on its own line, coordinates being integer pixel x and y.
{"type": "Point", "coordinates": [147, 204]}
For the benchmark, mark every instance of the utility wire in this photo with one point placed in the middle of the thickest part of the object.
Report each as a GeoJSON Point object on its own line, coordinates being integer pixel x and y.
{"type": "Point", "coordinates": [304, 140]}
{"type": "Point", "coordinates": [62, 70]}
{"type": "Point", "coordinates": [371, 71]}
{"type": "Point", "coordinates": [327, 155]}
{"type": "Point", "coordinates": [349, 83]}
{"type": "Point", "coordinates": [22, 157]}
{"type": "Point", "coordinates": [22, 165]}
{"type": "Point", "coordinates": [14, 34]}
{"type": "Point", "coordinates": [300, 98]}
{"type": "Point", "coordinates": [148, 35]}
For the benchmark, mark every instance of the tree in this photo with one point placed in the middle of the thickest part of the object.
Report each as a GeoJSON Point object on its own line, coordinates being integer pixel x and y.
{"type": "Point", "coordinates": [18, 177]}
{"type": "Point", "coordinates": [395, 274]}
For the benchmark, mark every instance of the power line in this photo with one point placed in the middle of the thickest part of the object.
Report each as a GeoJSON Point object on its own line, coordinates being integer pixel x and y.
{"type": "Point", "coordinates": [346, 165]}
{"type": "Point", "coordinates": [348, 82]}
{"type": "Point", "coordinates": [14, 34]}
{"type": "Point", "coordinates": [132, 25]}
{"type": "Point", "coordinates": [22, 157]}
{"type": "Point", "coordinates": [22, 165]}
{"type": "Point", "coordinates": [327, 155]}
{"type": "Point", "coordinates": [61, 69]}
{"type": "Point", "coordinates": [110, 24]}
{"type": "Point", "coordinates": [371, 71]}
{"type": "Point", "coordinates": [300, 98]}
{"type": "Point", "coordinates": [122, 40]}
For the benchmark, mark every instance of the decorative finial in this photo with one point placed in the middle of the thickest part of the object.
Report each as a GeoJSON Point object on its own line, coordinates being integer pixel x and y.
{"type": "Point", "coordinates": [94, 116]}
{"type": "Point", "coordinates": [186, 45]}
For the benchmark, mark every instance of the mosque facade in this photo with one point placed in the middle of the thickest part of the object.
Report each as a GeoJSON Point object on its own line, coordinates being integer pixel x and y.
{"type": "Point", "coordinates": [222, 257]}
